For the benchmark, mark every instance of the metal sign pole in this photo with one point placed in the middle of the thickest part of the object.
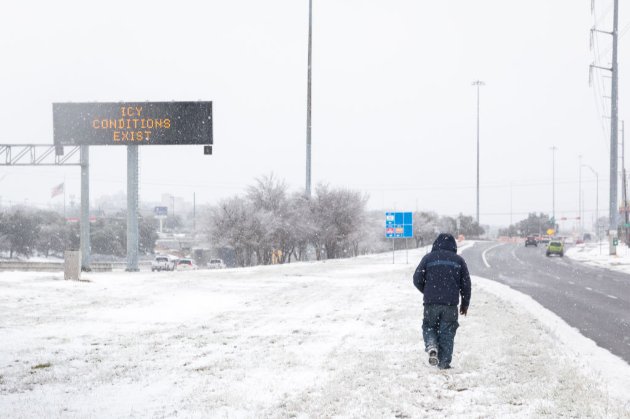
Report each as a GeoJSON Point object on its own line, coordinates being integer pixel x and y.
{"type": "Point", "coordinates": [393, 251]}
{"type": "Point", "coordinates": [132, 208]}
{"type": "Point", "coordinates": [407, 251]}
{"type": "Point", "coordinates": [84, 234]}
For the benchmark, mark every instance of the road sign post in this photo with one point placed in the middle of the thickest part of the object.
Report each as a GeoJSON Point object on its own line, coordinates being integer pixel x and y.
{"type": "Point", "coordinates": [398, 225]}
{"type": "Point", "coordinates": [160, 213]}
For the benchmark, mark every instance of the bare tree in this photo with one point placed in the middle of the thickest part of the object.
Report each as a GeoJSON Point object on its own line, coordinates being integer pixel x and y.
{"type": "Point", "coordinates": [271, 226]}
{"type": "Point", "coordinates": [230, 225]}
{"type": "Point", "coordinates": [425, 227]}
{"type": "Point", "coordinates": [339, 217]}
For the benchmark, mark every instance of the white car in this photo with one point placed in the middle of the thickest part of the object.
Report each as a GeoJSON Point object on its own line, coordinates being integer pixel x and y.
{"type": "Point", "coordinates": [216, 264]}
{"type": "Point", "coordinates": [162, 263]}
{"type": "Point", "coordinates": [185, 265]}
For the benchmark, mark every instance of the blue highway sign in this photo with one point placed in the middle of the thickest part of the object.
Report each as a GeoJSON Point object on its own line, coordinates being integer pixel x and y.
{"type": "Point", "coordinates": [399, 225]}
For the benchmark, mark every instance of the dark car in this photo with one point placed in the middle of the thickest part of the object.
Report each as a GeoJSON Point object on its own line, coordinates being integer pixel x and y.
{"type": "Point", "coordinates": [531, 241]}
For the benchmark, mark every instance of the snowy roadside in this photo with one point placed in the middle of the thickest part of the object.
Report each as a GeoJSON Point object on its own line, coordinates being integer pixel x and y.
{"type": "Point", "coordinates": [596, 254]}
{"type": "Point", "coordinates": [339, 338]}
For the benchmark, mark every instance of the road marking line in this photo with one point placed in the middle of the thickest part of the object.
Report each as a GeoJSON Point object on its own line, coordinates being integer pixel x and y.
{"type": "Point", "coordinates": [513, 252]}
{"type": "Point", "coordinates": [571, 282]}
{"type": "Point", "coordinates": [611, 296]}
{"type": "Point", "coordinates": [590, 289]}
{"type": "Point", "coordinates": [483, 255]}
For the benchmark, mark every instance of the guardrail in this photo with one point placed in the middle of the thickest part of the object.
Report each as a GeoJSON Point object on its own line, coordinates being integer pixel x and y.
{"type": "Point", "coordinates": [49, 266]}
{"type": "Point", "coordinates": [25, 266]}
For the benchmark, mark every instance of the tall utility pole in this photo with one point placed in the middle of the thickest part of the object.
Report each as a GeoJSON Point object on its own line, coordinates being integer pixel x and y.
{"type": "Point", "coordinates": [553, 184]}
{"type": "Point", "coordinates": [308, 100]}
{"type": "Point", "coordinates": [478, 83]}
{"type": "Point", "coordinates": [624, 182]}
{"type": "Point", "coordinates": [614, 126]}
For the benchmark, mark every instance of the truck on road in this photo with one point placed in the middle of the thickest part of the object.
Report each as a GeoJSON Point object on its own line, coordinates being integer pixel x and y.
{"type": "Point", "coordinates": [162, 263]}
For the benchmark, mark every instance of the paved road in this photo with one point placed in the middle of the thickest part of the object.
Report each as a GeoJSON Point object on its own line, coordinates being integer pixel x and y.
{"type": "Point", "coordinates": [594, 300]}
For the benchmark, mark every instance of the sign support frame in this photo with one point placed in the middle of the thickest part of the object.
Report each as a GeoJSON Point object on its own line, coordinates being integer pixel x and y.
{"type": "Point", "coordinates": [132, 208]}
{"type": "Point", "coordinates": [84, 226]}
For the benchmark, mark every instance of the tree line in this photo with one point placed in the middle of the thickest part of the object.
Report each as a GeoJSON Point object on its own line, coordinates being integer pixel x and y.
{"type": "Point", "coordinates": [427, 225]}
{"type": "Point", "coordinates": [268, 224]}
{"type": "Point", "coordinates": [533, 224]}
{"type": "Point", "coordinates": [26, 232]}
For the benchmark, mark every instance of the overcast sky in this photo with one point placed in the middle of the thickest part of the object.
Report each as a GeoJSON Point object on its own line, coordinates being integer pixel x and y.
{"type": "Point", "coordinates": [393, 105]}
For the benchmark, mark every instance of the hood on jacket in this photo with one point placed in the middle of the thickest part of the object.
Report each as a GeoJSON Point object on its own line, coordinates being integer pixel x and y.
{"type": "Point", "coordinates": [445, 241]}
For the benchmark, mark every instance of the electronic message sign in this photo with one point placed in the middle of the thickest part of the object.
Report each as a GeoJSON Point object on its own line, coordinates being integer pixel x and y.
{"type": "Point", "coordinates": [398, 225]}
{"type": "Point", "coordinates": [129, 123]}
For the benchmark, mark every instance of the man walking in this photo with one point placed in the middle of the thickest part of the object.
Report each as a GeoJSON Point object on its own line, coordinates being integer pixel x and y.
{"type": "Point", "coordinates": [442, 277]}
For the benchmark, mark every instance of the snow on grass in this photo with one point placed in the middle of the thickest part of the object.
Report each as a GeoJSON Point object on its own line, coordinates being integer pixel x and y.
{"type": "Point", "coordinates": [596, 254]}
{"type": "Point", "coordinates": [340, 338]}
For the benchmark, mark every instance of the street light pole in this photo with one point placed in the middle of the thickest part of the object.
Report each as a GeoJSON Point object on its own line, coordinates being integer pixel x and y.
{"type": "Point", "coordinates": [308, 100]}
{"type": "Point", "coordinates": [596, 200]}
{"type": "Point", "coordinates": [553, 185]}
{"type": "Point", "coordinates": [580, 225]}
{"type": "Point", "coordinates": [478, 83]}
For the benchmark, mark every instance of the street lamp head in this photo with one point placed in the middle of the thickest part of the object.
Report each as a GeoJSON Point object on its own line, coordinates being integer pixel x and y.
{"type": "Point", "coordinates": [590, 168]}
{"type": "Point", "coordinates": [478, 83]}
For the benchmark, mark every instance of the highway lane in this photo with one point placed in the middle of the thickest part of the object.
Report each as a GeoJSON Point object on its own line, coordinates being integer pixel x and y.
{"type": "Point", "coordinates": [594, 300]}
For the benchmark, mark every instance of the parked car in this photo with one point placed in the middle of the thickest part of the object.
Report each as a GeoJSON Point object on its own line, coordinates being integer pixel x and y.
{"type": "Point", "coordinates": [185, 265]}
{"type": "Point", "coordinates": [531, 241]}
{"type": "Point", "coordinates": [162, 263]}
{"type": "Point", "coordinates": [216, 264]}
{"type": "Point", "coordinates": [555, 248]}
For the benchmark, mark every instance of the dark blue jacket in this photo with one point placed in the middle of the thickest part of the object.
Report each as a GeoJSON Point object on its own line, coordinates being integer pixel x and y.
{"type": "Point", "coordinates": [442, 275]}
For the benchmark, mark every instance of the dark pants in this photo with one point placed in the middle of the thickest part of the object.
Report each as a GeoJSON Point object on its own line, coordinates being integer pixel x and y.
{"type": "Point", "coordinates": [438, 330]}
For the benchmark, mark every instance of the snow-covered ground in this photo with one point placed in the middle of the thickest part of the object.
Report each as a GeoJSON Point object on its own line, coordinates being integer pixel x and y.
{"type": "Point", "coordinates": [596, 254]}
{"type": "Point", "coordinates": [339, 338]}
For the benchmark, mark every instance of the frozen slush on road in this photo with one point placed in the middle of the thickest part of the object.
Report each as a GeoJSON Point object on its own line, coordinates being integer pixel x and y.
{"type": "Point", "coordinates": [317, 339]}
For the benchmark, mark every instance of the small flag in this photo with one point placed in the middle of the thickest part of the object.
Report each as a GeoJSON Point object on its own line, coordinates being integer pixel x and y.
{"type": "Point", "coordinates": [57, 190]}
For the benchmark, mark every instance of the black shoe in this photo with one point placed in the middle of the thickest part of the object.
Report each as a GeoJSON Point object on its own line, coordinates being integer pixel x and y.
{"type": "Point", "coordinates": [433, 356]}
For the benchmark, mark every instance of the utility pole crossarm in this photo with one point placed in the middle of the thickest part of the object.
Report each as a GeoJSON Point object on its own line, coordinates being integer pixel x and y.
{"type": "Point", "coordinates": [601, 31]}
{"type": "Point", "coordinates": [601, 68]}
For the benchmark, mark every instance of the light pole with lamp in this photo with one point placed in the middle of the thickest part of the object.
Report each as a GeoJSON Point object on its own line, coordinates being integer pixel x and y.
{"type": "Point", "coordinates": [596, 204]}
{"type": "Point", "coordinates": [553, 186]}
{"type": "Point", "coordinates": [478, 83]}
{"type": "Point", "coordinates": [308, 100]}
{"type": "Point", "coordinates": [580, 209]}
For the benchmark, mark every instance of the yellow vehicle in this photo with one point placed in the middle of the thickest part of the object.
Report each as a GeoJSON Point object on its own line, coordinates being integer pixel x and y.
{"type": "Point", "coordinates": [555, 248]}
